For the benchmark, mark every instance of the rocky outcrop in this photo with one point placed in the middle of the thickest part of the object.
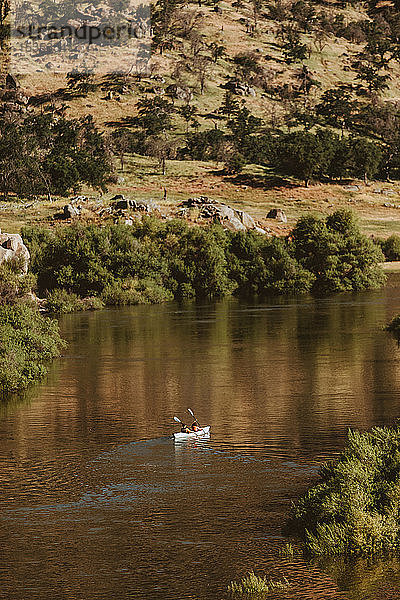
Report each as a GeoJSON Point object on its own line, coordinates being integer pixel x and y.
{"type": "Point", "coordinates": [240, 88]}
{"type": "Point", "coordinates": [119, 204]}
{"type": "Point", "coordinates": [70, 211]}
{"type": "Point", "coordinates": [179, 93]}
{"type": "Point", "coordinates": [230, 218]}
{"type": "Point", "coordinates": [12, 247]}
{"type": "Point", "coordinates": [278, 214]}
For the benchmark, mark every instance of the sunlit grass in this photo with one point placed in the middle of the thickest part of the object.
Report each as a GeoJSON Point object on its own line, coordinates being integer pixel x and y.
{"type": "Point", "coordinates": [287, 551]}
{"type": "Point", "coordinates": [252, 584]}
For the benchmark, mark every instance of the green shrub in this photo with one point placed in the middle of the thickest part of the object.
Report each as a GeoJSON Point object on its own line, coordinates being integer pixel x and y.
{"type": "Point", "coordinates": [28, 340]}
{"type": "Point", "coordinates": [354, 508]}
{"type": "Point", "coordinates": [91, 303]}
{"type": "Point", "coordinates": [252, 584]}
{"type": "Point", "coordinates": [340, 257]}
{"type": "Point", "coordinates": [15, 287]}
{"type": "Point", "coordinates": [60, 301]}
{"type": "Point", "coordinates": [133, 291]}
{"type": "Point", "coordinates": [287, 551]}
{"type": "Point", "coordinates": [154, 260]}
{"type": "Point", "coordinates": [391, 247]}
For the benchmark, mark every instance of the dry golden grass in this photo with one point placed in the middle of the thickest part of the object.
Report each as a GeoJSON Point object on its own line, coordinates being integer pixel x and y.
{"type": "Point", "coordinates": [227, 29]}
{"type": "Point", "coordinates": [252, 191]}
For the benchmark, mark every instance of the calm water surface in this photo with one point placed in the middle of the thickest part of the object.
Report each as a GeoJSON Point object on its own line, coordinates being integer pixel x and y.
{"type": "Point", "coordinates": [97, 502]}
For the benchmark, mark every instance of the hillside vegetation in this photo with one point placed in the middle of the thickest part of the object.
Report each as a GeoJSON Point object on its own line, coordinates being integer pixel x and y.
{"type": "Point", "coordinates": [248, 101]}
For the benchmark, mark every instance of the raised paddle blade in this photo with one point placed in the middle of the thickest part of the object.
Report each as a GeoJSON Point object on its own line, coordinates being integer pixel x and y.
{"type": "Point", "coordinates": [191, 412]}
{"type": "Point", "coordinates": [177, 420]}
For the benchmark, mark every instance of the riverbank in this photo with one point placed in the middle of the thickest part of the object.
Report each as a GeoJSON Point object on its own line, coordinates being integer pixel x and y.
{"type": "Point", "coordinates": [28, 339]}
{"type": "Point", "coordinates": [391, 266]}
{"type": "Point", "coordinates": [154, 260]}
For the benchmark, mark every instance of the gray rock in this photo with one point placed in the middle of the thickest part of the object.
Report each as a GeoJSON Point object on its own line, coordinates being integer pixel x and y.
{"type": "Point", "coordinates": [147, 207]}
{"type": "Point", "coordinates": [119, 202]}
{"type": "Point", "coordinates": [230, 218]}
{"type": "Point", "coordinates": [12, 247]}
{"type": "Point", "coordinates": [179, 93]}
{"type": "Point", "coordinates": [278, 214]}
{"type": "Point", "coordinates": [70, 211]}
{"type": "Point", "coordinates": [79, 199]}
{"type": "Point", "coordinates": [246, 219]}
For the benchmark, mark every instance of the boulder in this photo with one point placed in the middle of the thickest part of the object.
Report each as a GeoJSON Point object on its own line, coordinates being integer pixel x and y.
{"type": "Point", "coordinates": [278, 214]}
{"type": "Point", "coordinates": [12, 247]}
{"type": "Point", "coordinates": [70, 211]}
{"type": "Point", "coordinates": [246, 219]}
{"type": "Point", "coordinates": [119, 202]}
{"type": "Point", "coordinates": [147, 207]}
{"type": "Point", "coordinates": [230, 218]}
{"type": "Point", "coordinates": [240, 88]}
{"type": "Point", "coordinates": [12, 82]}
{"type": "Point", "coordinates": [179, 93]}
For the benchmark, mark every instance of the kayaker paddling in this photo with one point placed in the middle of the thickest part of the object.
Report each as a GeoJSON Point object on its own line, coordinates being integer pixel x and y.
{"type": "Point", "coordinates": [193, 432]}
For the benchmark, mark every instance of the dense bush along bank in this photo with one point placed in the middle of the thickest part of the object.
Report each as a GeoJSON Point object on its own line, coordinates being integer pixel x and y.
{"type": "Point", "coordinates": [155, 260]}
{"type": "Point", "coordinates": [87, 267]}
{"type": "Point", "coordinates": [28, 340]}
{"type": "Point", "coordinates": [390, 247]}
{"type": "Point", "coordinates": [354, 508]}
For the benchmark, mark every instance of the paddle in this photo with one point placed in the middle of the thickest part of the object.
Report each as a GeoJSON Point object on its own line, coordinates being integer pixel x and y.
{"type": "Point", "coordinates": [192, 413]}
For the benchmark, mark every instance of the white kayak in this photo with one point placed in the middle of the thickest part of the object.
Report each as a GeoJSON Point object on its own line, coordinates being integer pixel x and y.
{"type": "Point", "coordinates": [181, 437]}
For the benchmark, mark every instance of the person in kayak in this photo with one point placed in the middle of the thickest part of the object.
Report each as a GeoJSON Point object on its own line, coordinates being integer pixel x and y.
{"type": "Point", "coordinates": [195, 426]}
{"type": "Point", "coordinates": [185, 428]}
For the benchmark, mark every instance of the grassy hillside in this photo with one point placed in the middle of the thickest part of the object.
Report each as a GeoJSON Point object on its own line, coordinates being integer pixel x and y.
{"type": "Point", "coordinates": [333, 39]}
{"type": "Point", "coordinates": [328, 64]}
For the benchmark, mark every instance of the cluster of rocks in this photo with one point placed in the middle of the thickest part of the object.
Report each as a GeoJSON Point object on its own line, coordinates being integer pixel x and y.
{"type": "Point", "coordinates": [230, 218]}
{"type": "Point", "coordinates": [72, 209]}
{"type": "Point", "coordinates": [120, 206]}
{"type": "Point", "coordinates": [179, 93]}
{"type": "Point", "coordinates": [239, 88]}
{"type": "Point", "coordinates": [12, 247]}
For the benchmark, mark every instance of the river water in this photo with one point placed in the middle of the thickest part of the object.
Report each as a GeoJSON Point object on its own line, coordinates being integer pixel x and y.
{"type": "Point", "coordinates": [98, 502]}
